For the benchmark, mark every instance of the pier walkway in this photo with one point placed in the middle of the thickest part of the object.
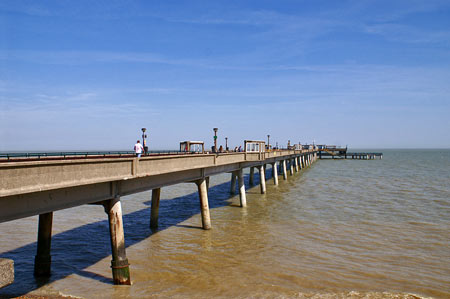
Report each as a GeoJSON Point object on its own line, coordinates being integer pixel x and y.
{"type": "Point", "coordinates": [41, 185]}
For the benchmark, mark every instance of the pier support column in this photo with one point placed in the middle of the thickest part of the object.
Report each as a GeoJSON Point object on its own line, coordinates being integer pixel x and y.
{"type": "Point", "coordinates": [275, 173]}
{"type": "Point", "coordinates": [207, 182]}
{"type": "Point", "coordinates": [242, 196]}
{"type": "Point", "coordinates": [300, 162]}
{"type": "Point", "coordinates": [296, 164]}
{"type": "Point", "coordinates": [252, 176]}
{"type": "Point", "coordinates": [43, 259]}
{"type": "Point", "coordinates": [291, 167]}
{"type": "Point", "coordinates": [204, 206]}
{"type": "Point", "coordinates": [284, 170]}
{"type": "Point", "coordinates": [262, 179]}
{"type": "Point", "coordinates": [304, 161]}
{"type": "Point", "coordinates": [233, 183]}
{"type": "Point", "coordinates": [119, 263]}
{"type": "Point", "coordinates": [156, 193]}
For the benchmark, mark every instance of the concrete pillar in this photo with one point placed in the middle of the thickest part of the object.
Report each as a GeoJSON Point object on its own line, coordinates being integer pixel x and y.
{"type": "Point", "coordinates": [262, 179]}
{"type": "Point", "coordinates": [242, 196]}
{"type": "Point", "coordinates": [296, 164]}
{"type": "Point", "coordinates": [304, 161]}
{"type": "Point", "coordinates": [43, 260]}
{"type": "Point", "coordinates": [204, 206]}
{"type": "Point", "coordinates": [284, 170]}
{"type": "Point", "coordinates": [291, 167]}
{"type": "Point", "coordinates": [275, 173]}
{"type": "Point", "coordinates": [156, 193]}
{"type": "Point", "coordinates": [233, 183]}
{"type": "Point", "coordinates": [252, 176]}
{"type": "Point", "coordinates": [6, 272]}
{"type": "Point", "coordinates": [207, 182]}
{"type": "Point", "coordinates": [119, 263]}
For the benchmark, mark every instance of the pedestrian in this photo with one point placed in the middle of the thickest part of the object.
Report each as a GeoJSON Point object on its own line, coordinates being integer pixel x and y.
{"type": "Point", "coordinates": [138, 148]}
{"type": "Point", "coordinates": [220, 149]}
{"type": "Point", "coordinates": [240, 149]}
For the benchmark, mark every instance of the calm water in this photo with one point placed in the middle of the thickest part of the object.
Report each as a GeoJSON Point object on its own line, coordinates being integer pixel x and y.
{"type": "Point", "coordinates": [347, 228]}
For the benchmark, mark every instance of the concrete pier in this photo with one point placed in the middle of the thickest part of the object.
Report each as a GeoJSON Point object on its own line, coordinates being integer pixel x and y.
{"type": "Point", "coordinates": [262, 178]}
{"type": "Point", "coordinates": [233, 183]}
{"type": "Point", "coordinates": [156, 193]}
{"type": "Point", "coordinates": [242, 196]}
{"type": "Point", "coordinates": [43, 260]}
{"type": "Point", "coordinates": [296, 164]}
{"type": "Point", "coordinates": [38, 186]}
{"type": "Point", "coordinates": [204, 205]}
{"type": "Point", "coordinates": [119, 263]}
{"type": "Point", "coordinates": [275, 173]}
{"type": "Point", "coordinates": [252, 176]}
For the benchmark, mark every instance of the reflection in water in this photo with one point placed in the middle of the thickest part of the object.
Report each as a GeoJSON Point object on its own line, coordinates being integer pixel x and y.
{"type": "Point", "coordinates": [349, 228]}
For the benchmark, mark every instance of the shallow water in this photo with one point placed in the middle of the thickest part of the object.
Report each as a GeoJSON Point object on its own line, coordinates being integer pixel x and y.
{"type": "Point", "coordinates": [341, 228]}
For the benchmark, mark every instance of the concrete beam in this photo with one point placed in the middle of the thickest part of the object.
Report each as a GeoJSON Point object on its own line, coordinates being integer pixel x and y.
{"type": "Point", "coordinates": [6, 272]}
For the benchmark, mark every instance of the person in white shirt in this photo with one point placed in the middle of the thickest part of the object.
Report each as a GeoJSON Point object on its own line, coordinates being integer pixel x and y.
{"type": "Point", "coordinates": [138, 148]}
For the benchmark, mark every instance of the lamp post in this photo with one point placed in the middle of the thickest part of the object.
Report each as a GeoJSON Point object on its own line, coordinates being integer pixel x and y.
{"type": "Point", "coordinates": [144, 141]}
{"type": "Point", "coordinates": [289, 144]}
{"type": "Point", "coordinates": [215, 139]}
{"type": "Point", "coordinates": [268, 141]}
{"type": "Point", "coordinates": [226, 144]}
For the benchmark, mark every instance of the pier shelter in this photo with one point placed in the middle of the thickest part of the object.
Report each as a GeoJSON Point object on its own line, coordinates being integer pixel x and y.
{"type": "Point", "coordinates": [192, 146]}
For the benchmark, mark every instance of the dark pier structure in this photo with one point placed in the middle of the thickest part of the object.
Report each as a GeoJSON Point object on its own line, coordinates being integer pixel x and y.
{"type": "Point", "coordinates": [334, 152]}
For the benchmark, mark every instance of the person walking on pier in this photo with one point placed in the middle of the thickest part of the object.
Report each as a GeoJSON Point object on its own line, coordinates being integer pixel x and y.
{"type": "Point", "coordinates": [138, 148]}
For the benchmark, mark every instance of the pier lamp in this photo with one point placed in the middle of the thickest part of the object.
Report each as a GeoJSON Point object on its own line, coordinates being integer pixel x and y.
{"type": "Point", "coordinates": [215, 139]}
{"type": "Point", "coordinates": [226, 144]}
{"type": "Point", "coordinates": [144, 140]}
{"type": "Point", "coordinates": [268, 141]}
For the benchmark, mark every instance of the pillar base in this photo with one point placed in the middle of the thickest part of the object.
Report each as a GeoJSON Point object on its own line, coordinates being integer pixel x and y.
{"type": "Point", "coordinates": [121, 272]}
{"type": "Point", "coordinates": [42, 266]}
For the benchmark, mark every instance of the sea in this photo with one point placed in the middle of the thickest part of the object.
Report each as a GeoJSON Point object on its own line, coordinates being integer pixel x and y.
{"type": "Point", "coordinates": [338, 229]}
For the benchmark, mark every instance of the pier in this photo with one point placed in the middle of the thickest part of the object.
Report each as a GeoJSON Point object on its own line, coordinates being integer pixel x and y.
{"type": "Point", "coordinates": [334, 152]}
{"type": "Point", "coordinates": [40, 185]}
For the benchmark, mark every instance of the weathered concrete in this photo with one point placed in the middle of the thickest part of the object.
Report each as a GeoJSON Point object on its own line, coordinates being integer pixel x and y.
{"type": "Point", "coordinates": [275, 173]}
{"type": "Point", "coordinates": [252, 176]}
{"type": "Point", "coordinates": [6, 272]}
{"type": "Point", "coordinates": [43, 260]}
{"type": "Point", "coordinates": [242, 196]}
{"type": "Point", "coordinates": [119, 263]}
{"type": "Point", "coordinates": [156, 194]}
{"type": "Point", "coordinates": [233, 183]}
{"type": "Point", "coordinates": [291, 167]}
{"type": "Point", "coordinates": [296, 164]}
{"type": "Point", "coordinates": [284, 170]}
{"type": "Point", "coordinates": [204, 205]}
{"type": "Point", "coordinates": [262, 178]}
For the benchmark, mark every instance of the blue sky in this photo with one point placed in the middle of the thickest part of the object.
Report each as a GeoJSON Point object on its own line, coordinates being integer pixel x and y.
{"type": "Point", "coordinates": [80, 75]}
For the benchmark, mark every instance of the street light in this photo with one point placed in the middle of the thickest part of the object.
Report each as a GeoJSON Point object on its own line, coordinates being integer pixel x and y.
{"type": "Point", "coordinates": [226, 144]}
{"type": "Point", "coordinates": [268, 141]}
{"type": "Point", "coordinates": [144, 141]}
{"type": "Point", "coordinates": [215, 139]}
